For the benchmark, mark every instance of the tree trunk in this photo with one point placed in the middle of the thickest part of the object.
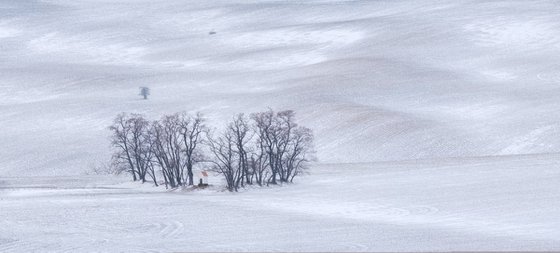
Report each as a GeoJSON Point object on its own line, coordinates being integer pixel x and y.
{"type": "Point", "coordinates": [190, 175]}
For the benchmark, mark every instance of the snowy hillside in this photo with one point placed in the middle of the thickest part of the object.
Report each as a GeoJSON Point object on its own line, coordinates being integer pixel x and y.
{"type": "Point", "coordinates": [436, 122]}
{"type": "Point", "coordinates": [377, 80]}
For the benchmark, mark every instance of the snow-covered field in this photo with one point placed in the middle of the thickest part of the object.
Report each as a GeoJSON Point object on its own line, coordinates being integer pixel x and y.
{"type": "Point", "coordinates": [509, 203]}
{"type": "Point", "coordinates": [436, 122]}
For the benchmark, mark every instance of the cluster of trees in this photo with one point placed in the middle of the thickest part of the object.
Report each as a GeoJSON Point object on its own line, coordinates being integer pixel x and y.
{"type": "Point", "coordinates": [260, 149]}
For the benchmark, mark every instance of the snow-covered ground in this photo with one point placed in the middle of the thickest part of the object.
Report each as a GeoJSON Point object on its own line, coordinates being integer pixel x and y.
{"type": "Point", "coordinates": [486, 203]}
{"type": "Point", "coordinates": [382, 83]}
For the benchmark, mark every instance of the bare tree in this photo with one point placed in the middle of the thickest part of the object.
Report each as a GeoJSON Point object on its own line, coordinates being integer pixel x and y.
{"type": "Point", "coordinates": [267, 148]}
{"type": "Point", "coordinates": [131, 138]}
{"type": "Point", "coordinates": [225, 163]}
{"type": "Point", "coordinates": [120, 139]}
{"type": "Point", "coordinates": [144, 92]}
{"type": "Point", "coordinates": [140, 144]}
{"type": "Point", "coordinates": [284, 125]}
{"type": "Point", "coordinates": [273, 130]}
{"type": "Point", "coordinates": [259, 163]}
{"type": "Point", "coordinates": [190, 129]}
{"type": "Point", "coordinates": [299, 153]}
{"type": "Point", "coordinates": [264, 126]}
{"type": "Point", "coordinates": [286, 147]}
{"type": "Point", "coordinates": [149, 158]}
{"type": "Point", "coordinates": [167, 148]}
{"type": "Point", "coordinates": [242, 134]}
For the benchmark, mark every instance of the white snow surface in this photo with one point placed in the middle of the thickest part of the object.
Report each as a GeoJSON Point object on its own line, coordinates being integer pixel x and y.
{"type": "Point", "coordinates": [436, 122]}
{"type": "Point", "coordinates": [486, 203]}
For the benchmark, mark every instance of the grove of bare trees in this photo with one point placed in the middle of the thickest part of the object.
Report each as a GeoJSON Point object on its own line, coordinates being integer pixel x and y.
{"type": "Point", "coordinates": [260, 149]}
